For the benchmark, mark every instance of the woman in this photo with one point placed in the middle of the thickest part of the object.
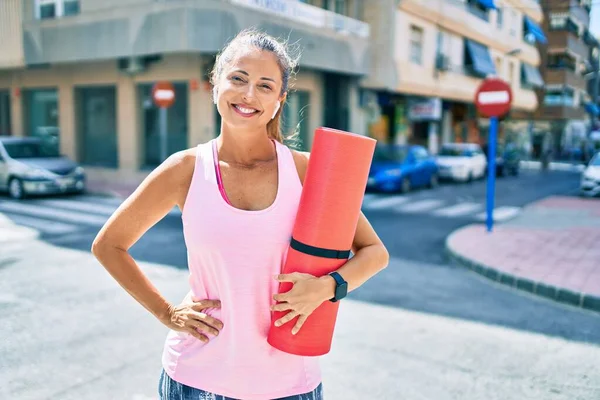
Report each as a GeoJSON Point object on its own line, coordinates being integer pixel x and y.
{"type": "Point", "coordinates": [239, 194]}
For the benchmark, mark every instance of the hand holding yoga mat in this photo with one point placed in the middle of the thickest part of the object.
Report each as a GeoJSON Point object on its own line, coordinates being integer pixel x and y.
{"type": "Point", "coordinates": [332, 195]}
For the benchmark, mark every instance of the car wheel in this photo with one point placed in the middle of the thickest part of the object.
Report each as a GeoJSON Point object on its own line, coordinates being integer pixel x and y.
{"type": "Point", "coordinates": [405, 186]}
{"type": "Point", "coordinates": [15, 189]}
{"type": "Point", "coordinates": [434, 181]}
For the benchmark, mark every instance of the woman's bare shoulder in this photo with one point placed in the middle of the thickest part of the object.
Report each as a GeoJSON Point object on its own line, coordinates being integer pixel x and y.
{"type": "Point", "coordinates": [301, 160]}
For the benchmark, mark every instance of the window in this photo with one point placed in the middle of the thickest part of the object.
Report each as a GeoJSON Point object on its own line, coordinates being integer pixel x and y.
{"type": "Point", "coordinates": [476, 8]}
{"type": "Point", "coordinates": [5, 124]}
{"type": "Point", "coordinates": [514, 23]}
{"type": "Point", "coordinates": [41, 115]}
{"type": "Point", "coordinates": [416, 44]}
{"type": "Point", "coordinates": [341, 7]}
{"type": "Point", "coordinates": [563, 22]}
{"type": "Point", "coordinates": [499, 18]}
{"type": "Point", "coordinates": [46, 9]}
{"type": "Point", "coordinates": [511, 72]}
{"type": "Point", "coordinates": [560, 97]}
{"type": "Point", "coordinates": [562, 61]}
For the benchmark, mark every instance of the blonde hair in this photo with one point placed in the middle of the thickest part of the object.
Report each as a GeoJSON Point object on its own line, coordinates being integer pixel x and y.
{"type": "Point", "coordinates": [287, 65]}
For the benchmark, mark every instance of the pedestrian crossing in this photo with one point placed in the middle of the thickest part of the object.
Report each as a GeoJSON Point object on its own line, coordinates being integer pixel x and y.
{"type": "Point", "coordinates": [62, 216]}
{"type": "Point", "coordinates": [406, 204]}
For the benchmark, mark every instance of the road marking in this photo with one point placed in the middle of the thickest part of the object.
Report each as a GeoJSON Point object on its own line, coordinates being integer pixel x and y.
{"type": "Point", "coordinates": [94, 208]}
{"type": "Point", "coordinates": [385, 202]}
{"type": "Point", "coordinates": [500, 214]}
{"type": "Point", "coordinates": [45, 226]}
{"type": "Point", "coordinates": [53, 214]}
{"type": "Point", "coordinates": [420, 206]}
{"type": "Point", "coordinates": [458, 210]}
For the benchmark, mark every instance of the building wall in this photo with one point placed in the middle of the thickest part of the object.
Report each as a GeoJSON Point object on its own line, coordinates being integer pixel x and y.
{"type": "Point", "coordinates": [454, 84]}
{"type": "Point", "coordinates": [11, 34]}
{"type": "Point", "coordinates": [182, 67]}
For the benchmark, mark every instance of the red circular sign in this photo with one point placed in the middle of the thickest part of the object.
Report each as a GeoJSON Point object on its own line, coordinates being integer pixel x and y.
{"type": "Point", "coordinates": [163, 94]}
{"type": "Point", "coordinates": [493, 97]}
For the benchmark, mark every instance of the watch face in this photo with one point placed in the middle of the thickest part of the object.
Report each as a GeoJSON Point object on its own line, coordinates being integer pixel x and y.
{"type": "Point", "coordinates": [341, 291]}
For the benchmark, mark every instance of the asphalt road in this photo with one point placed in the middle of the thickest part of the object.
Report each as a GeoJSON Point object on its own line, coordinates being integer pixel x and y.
{"type": "Point", "coordinates": [422, 329]}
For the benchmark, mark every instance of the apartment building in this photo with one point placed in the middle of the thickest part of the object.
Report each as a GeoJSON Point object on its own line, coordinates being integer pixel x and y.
{"type": "Point", "coordinates": [563, 118]}
{"type": "Point", "coordinates": [421, 86]}
{"type": "Point", "coordinates": [79, 72]}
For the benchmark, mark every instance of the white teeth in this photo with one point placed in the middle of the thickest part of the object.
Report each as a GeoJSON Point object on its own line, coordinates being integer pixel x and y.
{"type": "Point", "coordinates": [245, 110]}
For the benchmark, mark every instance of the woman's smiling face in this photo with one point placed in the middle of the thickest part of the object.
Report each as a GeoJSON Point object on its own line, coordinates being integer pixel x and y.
{"type": "Point", "coordinates": [249, 88]}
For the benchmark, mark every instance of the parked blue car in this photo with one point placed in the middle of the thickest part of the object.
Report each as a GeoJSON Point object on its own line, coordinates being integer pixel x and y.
{"type": "Point", "coordinates": [402, 168]}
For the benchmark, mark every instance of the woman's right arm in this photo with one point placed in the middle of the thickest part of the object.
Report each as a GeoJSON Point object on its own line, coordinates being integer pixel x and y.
{"type": "Point", "coordinates": [149, 203]}
{"type": "Point", "coordinates": [164, 188]}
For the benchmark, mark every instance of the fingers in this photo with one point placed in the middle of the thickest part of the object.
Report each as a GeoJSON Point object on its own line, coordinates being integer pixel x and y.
{"type": "Point", "coordinates": [281, 307]}
{"type": "Point", "coordinates": [299, 324]}
{"type": "Point", "coordinates": [192, 331]}
{"type": "Point", "coordinates": [204, 304]}
{"type": "Point", "coordinates": [207, 320]}
{"type": "Point", "coordinates": [201, 326]}
{"type": "Point", "coordinates": [286, 318]}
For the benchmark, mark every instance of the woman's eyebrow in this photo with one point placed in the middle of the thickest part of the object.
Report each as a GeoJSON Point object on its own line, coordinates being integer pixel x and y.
{"type": "Point", "coordinates": [241, 71]}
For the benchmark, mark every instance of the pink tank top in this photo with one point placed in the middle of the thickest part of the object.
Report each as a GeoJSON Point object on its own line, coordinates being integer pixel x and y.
{"type": "Point", "coordinates": [233, 255]}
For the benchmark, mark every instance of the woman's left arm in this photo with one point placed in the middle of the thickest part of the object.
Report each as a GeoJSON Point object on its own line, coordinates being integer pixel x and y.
{"type": "Point", "coordinates": [309, 292]}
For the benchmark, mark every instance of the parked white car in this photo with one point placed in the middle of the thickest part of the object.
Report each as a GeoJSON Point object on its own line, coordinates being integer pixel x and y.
{"type": "Point", "coordinates": [461, 162]}
{"type": "Point", "coordinates": [590, 177]}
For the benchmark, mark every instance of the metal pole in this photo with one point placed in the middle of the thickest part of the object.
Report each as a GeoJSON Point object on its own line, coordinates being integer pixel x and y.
{"type": "Point", "coordinates": [491, 181]}
{"type": "Point", "coordinates": [163, 133]}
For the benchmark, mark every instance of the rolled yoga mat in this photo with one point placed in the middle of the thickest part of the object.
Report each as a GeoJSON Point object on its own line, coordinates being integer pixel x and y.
{"type": "Point", "coordinates": [332, 195]}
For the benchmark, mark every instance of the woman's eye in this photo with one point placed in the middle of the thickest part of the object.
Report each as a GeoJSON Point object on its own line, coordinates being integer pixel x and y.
{"type": "Point", "coordinates": [267, 87]}
{"type": "Point", "coordinates": [237, 79]}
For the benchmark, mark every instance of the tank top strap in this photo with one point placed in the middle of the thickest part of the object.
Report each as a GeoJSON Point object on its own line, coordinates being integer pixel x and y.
{"type": "Point", "coordinates": [288, 172]}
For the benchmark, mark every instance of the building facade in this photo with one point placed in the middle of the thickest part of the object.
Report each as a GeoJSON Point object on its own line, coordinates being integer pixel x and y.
{"type": "Point", "coordinates": [421, 89]}
{"type": "Point", "coordinates": [563, 117]}
{"type": "Point", "coordinates": [79, 73]}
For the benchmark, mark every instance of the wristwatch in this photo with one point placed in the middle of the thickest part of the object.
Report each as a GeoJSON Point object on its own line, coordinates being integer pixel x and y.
{"type": "Point", "coordinates": [341, 287]}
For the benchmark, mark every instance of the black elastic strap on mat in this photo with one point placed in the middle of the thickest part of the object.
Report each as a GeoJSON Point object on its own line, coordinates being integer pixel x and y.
{"type": "Point", "coordinates": [319, 251]}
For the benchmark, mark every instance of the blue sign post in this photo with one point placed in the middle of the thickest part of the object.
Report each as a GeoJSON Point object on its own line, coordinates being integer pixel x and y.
{"type": "Point", "coordinates": [493, 100]}
{"type": "Point", "coordinates": [491, 181]}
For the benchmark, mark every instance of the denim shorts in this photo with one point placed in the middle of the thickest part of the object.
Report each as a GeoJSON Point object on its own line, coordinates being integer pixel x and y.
{"type": "Point", "coordinates": [168, 389]}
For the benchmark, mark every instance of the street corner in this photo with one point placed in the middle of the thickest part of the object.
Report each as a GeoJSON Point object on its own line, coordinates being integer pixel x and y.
{"type": "Point", "coordinates": [550, 254]}
{"type": "Point", "coordinates": [11, 232]}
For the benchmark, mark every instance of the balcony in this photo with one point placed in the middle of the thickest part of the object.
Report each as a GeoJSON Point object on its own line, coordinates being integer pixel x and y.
{"type": "Point", "coordinates": [561, 112]}
{"type": "Point", "coordinates": [11, 35]}
{"type": "Point", "coordinates": [567, 40]}
{"type": "Point", "coordinates": [114, 29]}
{"type": "Point", "coordinates": [565, 76]}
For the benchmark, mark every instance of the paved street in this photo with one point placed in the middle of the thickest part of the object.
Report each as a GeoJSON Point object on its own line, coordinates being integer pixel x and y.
{"type": "Point", "coordinates": [423, 329]}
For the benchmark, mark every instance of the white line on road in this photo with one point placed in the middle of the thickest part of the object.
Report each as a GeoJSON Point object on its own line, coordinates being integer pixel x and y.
{"type": "Point", "coordinates": [420, 206]}
{"type": "Point", "coordinates": [385, 202]}
{"type": "Point", "coordinates": [500, 214]}
{"type": "Point", "coordinates": [95, 208]}
{"type": "Point", "coordinates": [53, 214]}
{"type": "Point", "coordinates": [458, 210]}
{"type": "Point", "coordinates": [45, 226]}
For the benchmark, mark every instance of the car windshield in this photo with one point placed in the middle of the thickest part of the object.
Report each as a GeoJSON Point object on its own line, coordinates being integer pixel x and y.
{"type": "Point", "coordinates": [390, 153]}
{"type": "Point", "coordinates": [29, 150]}
{"type": "Point", "coordinates": [448, 151]}
{"type": "Point", "coordinates": [596, 160]}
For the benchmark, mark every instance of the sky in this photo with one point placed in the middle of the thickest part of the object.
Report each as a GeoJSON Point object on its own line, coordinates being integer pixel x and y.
{"type": "Point", "coordinates": [595, 21]}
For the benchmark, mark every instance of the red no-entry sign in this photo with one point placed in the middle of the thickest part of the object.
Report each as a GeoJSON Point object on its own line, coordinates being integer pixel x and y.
{"type": "Point", "coordinates": [493, 98]}
{"type": "Point", "coordinates": [163, 94]}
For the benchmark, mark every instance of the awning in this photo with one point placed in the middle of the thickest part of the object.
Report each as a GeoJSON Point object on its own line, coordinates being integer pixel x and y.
{"type": "Point", "coordinates": [535, 30]}
{"type": "Point", "coordinates": [531, 76]}
{"type": "Point", "coordinates": [592, 108]}
{"type": "Point", "coordinates": [489, 4]}
{"type": "Point", "coordinates": [480, 56]}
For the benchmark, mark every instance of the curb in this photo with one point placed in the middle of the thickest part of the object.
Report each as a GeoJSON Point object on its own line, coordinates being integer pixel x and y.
{"type": "Point", "coordinates": [554, 293]}
{"type": "Point", "coordinates": [16, 233]}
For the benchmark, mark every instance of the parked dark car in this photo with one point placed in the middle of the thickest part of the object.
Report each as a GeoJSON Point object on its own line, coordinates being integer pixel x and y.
{"type": "Point", "coordinates": [28, 166]}
{"type": "Point", "coordinates": [401, 168]}
{"type": "Point", "coordinates": [508, 159]}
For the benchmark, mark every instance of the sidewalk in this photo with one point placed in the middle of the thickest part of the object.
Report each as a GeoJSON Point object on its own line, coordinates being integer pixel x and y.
{"type": "Point", "coordinates": [10, 232]}
{"type": "Point", "coordinates": [552, 249]}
